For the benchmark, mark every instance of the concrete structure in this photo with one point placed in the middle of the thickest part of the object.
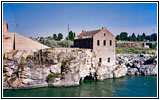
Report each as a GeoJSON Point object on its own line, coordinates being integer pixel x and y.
{"type": "Point", "coordinates": [101, 41]}
{"type": "Point", "coordinates": [14, 41]}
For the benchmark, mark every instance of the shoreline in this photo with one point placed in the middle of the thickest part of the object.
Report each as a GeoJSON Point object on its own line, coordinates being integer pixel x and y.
{"type": "Point", "coordinates": [70, 86]}
{"type": "Point", "coordinates": [28, 75]}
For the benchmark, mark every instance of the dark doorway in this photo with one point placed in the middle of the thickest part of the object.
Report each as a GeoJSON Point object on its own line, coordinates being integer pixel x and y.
{"type": "Point", "coordinates": [100, 60]}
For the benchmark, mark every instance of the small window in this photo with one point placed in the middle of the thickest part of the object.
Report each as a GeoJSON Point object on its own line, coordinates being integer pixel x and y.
{"type": "Point", "coordinates": [104, 42]}
{"type": "Point", "coordinates": [104, 34]}
{"type": "Point", "coordinates": [98, 42]}
{"type": "Point", "coordinates": [100, 60]}
{"type": "Point", "coordinates": [110, 42]}
{"type": "Point", "coordinates": [108, 59]}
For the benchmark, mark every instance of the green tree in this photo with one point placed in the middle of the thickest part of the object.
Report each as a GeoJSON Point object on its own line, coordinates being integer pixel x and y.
{"type": "Point", "coordinates": [153, 37]}
{"type": "Point", "coordinates": [143, 36]}
{"type": "Point", "coordinates": [134, 37]}
{"type": "Point", "coordinates": [41, 40]}
{"type": "Point", "coordinates": [54, 36]}
{"type": "Point", "coordinates": [130, 38]}
{"type": "Point", "coordinates": [148, 37]}
{"type": "Point", "coordinates": [60, 36]}
{"type": "Point", "coordinates": [139, 38]}
{"type": "Point", "coordinates": [124, 36]}
{"type": "Point", "coordinates": [118, 37]}
{"type": "Point", "coordinates": [71, 35]}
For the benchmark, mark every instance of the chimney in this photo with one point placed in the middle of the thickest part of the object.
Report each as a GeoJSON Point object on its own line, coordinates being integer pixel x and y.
{"type": "Point", "coordinates": [5, 27]}
{"type": "Point", "coordinates": [103, 27]}
{"type": "Point", "coordinates": [83, 31]}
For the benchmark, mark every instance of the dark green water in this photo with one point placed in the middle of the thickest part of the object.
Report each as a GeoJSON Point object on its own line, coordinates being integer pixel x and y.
{"type": "Point", "coordinates": [129, 86]}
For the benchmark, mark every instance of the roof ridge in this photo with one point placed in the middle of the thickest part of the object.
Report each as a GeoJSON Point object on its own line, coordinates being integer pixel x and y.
{"type": "Point", "coordinates": [88, 33]}
{"type": "Point", "coordinates": [93, 30]}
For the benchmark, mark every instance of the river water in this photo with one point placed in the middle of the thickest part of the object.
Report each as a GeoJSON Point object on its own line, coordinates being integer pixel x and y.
{"type": "Point", "coordinates": [129, 86]}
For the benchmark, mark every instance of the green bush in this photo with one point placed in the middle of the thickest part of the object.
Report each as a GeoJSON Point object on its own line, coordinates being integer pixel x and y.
{"type": "Point", "coordinates": [29, 57]}
{"type": "Point", "coordinates": [154, 46]}
{"type": "Point", "coordinates": [136, 52]}
{"type": "Point", "coordinates": [64, 62]}
{"type": "Point", "coordinates": [53, 75]}
{"type": "Point", "coordinates": [22, 59]}
{"type": "Point", "coordinates": [143, 52]}
{"type": "Point", "coordinates": [5, 58]}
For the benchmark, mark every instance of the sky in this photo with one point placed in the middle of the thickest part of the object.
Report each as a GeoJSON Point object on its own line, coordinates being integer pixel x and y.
{"type": "Point", "coordinates": [45, 19]}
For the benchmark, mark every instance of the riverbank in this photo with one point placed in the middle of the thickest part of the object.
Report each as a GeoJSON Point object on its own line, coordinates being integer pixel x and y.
{"type": "Point", "coordinates": [69, 67]}
{"type": "Point", "coordinates": [129, 86]}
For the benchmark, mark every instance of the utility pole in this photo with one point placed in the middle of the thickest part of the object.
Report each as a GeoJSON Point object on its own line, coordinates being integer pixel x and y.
{"type": "Point", "coordinates": [153, 30]}
{"type": "Point", "coordinates": [68, 29]}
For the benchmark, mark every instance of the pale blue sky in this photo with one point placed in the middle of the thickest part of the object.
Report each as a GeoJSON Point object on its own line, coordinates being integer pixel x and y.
{"type": "Point", "coordinates": [44, 19]}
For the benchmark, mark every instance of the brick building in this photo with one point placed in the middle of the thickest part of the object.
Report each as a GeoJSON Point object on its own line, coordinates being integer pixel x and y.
{"type": "Point", "coordinates": [101, 41]}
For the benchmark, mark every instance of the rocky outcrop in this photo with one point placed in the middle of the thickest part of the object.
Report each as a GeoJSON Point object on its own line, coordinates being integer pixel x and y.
{"type": "Point", "coordinates": [68, 67]}
{"type": "Point", "coordinates": [138, 64]}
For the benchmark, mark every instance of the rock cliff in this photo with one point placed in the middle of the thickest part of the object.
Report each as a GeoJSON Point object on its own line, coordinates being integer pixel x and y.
{"type": "Point", "coordinates": [66, 67]}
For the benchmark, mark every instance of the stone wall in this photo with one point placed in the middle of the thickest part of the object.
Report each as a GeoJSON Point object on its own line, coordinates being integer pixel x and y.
{"type": "Point", "coordinates": [105, 52]}
{"type": "Point", "coordinates": [58, 67]}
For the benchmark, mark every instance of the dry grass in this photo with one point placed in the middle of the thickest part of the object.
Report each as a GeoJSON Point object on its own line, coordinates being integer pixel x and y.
{"type": "Point", "coordinates": [124, 50]}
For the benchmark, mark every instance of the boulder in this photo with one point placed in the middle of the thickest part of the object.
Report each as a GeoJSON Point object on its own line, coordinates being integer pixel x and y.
{"type": "Point", "coordinates": [55, 68]}
{"type": "Point", "coordinates": [27, 81]}
{"type": "Point", "coordinates": [69, 79]}
{"type": "Point", "coordinates": [120, 71]}
{"type": "Point", "coordinates": [154, 70]}
{"type": "Point", "coordinates": [45, 71]}
{"type": "Point", "coordinates": [104, 72]}
{"type": "Point", "coordinates": [8, 71]}
{"type": "Point", "coordinates": [36, 74]}
{"type": "Point", "coordinates": [14, 82]}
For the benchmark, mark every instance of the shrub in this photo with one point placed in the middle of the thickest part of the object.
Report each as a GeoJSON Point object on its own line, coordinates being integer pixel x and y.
{"type": "Point", "coordinates": [29, 57]}
{"type": "Point", "coordinates": [22, 59]}
{"type": "Point", "coordinates": [5, 58]}
{"type": "Point", "coordinates": [64, 62]}
{"type": "Point", "coordinates": [53, 75]}
{"type": "Point", "coordinates": [136, 52]}
{"type": "Point", "coordinates": [154, 46]}
{"type": "Point", "coordinates": [143, 52]}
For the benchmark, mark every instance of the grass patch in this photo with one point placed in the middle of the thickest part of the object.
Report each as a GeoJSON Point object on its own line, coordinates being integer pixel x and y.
{"type": "Point", "coordinates": [5, 58]}
{"type": "Point", "coordinates": [53, 75]}
{"type": "Point", "coordinates": [124, 50]}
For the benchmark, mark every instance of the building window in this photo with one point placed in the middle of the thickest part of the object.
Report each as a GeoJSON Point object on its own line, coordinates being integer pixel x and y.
{"type": "Point", "coordinates": [100, 60]}
{"type": "Point", "coordinates": [104, 42]}
{"type": "Point", "coordinates": [104, 34]}
{"type": "Point", "coordinates": [108, 59]}
{"type": "Point", "coordinates": [110, 42]}
{"type": "Point", "coordinates": [98, 42]}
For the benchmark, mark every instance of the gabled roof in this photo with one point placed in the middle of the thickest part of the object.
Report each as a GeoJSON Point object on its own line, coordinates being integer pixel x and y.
{"type": "Point", "coordinates": [90, 34]}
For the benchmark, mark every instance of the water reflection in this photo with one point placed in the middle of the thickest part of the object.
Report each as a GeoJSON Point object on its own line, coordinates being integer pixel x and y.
{"type": "Point", "coordinates": [130, 86]}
